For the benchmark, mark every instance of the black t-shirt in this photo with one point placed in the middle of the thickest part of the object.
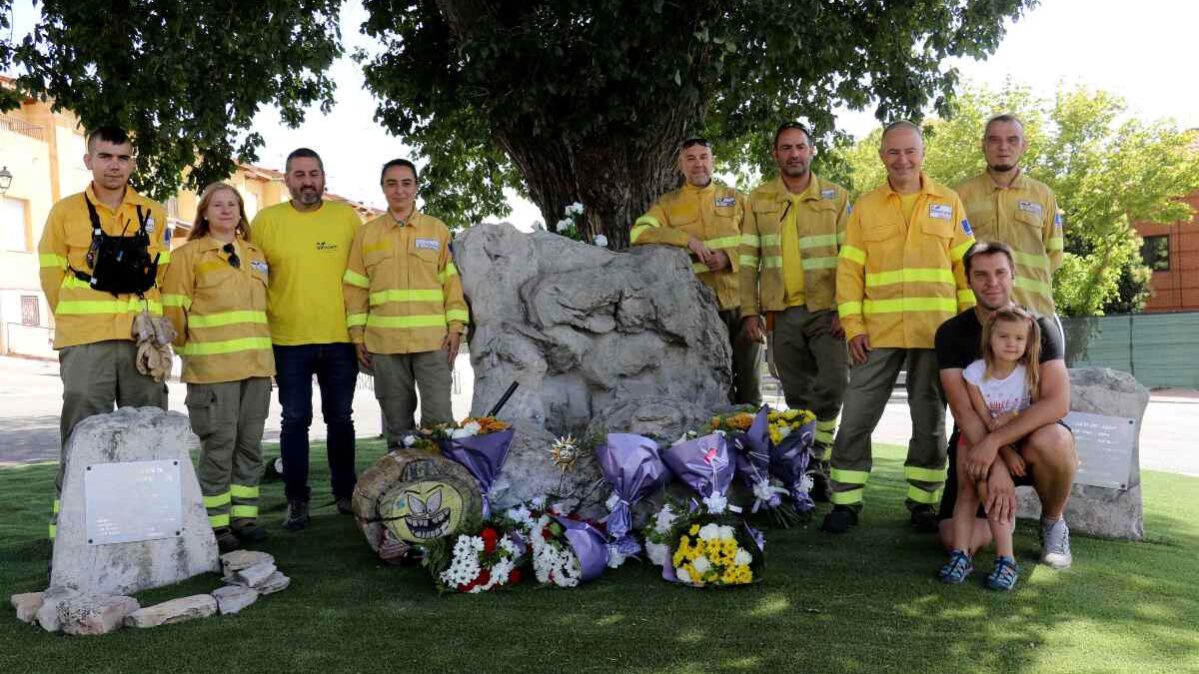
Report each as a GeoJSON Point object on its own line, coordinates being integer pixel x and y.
{"type": "Point", "coordinates": [959, 341]}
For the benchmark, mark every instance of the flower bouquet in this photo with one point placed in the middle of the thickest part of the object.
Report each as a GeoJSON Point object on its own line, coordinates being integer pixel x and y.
{"type": "Point", "coordinates": [632, 466]}
{"type": "Point", "coordinates": [475, 563]}
{"type": "Point", "coordinates": [565, 550]}
{"type": "Point", "coordinates": [751, 453]}
{"type": "Point", "coordinates": [712, 545]}
{"type": "Point", "coordinates": [481, 446]}
{"type": "Point", "coordinates": [791, 433]}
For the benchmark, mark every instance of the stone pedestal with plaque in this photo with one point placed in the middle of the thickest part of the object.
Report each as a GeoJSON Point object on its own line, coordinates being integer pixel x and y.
{"type": "Point", "coordinates": [1106, 409]}
{"type": "Point", "coordinates": [132, 517]}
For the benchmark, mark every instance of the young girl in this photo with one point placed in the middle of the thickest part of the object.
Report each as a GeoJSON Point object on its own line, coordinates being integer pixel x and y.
{"type": "Point", "coordinates": [1001, 385]}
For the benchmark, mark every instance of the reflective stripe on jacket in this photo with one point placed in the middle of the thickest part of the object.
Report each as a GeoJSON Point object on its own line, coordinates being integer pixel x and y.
{"type": "Point", "coordinates": [820, 217]}
{"type": "Point", "coordinates": [1024, 216]}
{"type": "Point", "coordinates": [219, 312]}
{"type": "Point", "coordinates": [715, 215]}
{"type": "Point", "coordinates": [402, 290]}
{"type": "Point", "coordinates": [898, 281]}
{"type": "Point", "coordinates": [83, 315]}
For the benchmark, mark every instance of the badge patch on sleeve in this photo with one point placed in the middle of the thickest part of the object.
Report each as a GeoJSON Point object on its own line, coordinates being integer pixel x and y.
{"type": "Point", "coordinates": [261, 266]}
{"type": "Point", "coordinates": [1057, 220]}
{"type": "Point", "coordinates": [828, 194]}
{"type": "Point", "coordinates": [1030, 207]}
{"type": "Point", "coordinates": [725, 201]}
{"type": "Point", "coordinates": [940, 211]}
{"type": "Point", "coordinates": [428, 244]}
{"type": "Point", "coordinates": [966, 227]}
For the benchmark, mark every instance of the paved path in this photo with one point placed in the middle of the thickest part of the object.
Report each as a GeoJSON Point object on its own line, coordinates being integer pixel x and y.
{"type": "Point", "coordinates": [31, 397]}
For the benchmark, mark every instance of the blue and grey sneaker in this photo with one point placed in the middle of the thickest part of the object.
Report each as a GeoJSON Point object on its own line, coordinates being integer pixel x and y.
{"type": "Point", "coordinates": [1055, 544]}
{"type": "Point", "coordinates": [957, 569]}
{"type": "Point", "coordinates": [1005, 575]}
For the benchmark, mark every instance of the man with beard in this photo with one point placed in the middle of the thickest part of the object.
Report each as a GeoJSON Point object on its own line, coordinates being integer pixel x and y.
{"type": "Point", "coordinates": [789, 270]}
{"type": "Point", "coordinates": [1005, 205]}
{"type": "Point", "coordinates": [899, 276]}
{"type": "Point", "coordinates": [1045, 444]}
{"type": "Point", "coordinates": [307, 242]}
{"type": "Point", "coordinates": [706, 218]}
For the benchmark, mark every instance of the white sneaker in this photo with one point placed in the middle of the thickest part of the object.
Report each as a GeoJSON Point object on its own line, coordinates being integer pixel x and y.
{"type": "Point", "coordinates": [1055, 544]}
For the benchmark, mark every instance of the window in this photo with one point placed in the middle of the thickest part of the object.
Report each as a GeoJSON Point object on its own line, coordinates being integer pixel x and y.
{"type": "Point", "coordinates": [29, 310]}
{"type": "Point", "coordinates": [1155, 251]}
{"type": "Point", "coordinates": [15, 225]}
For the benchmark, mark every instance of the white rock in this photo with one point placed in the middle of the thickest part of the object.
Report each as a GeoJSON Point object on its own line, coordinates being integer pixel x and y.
{"type": "Point", "coordinates": [27, 605]}
{"type": "Point", "coordinates": [173, 611]}
{"type": "Point", "coordinates": [128, 435]}
{"type": "Point", "coordinates": [48, 613]}
{"type": "Point", "coordinates": [232, 562]}
{"type": "Point", "coordinates": [95, 614]}
{"type": "Point", "coordinates": [255, 575]}
{"type": "Point", "coordinates": [233, 598]}
{"type": "Point", "coordinates": [275, 583]}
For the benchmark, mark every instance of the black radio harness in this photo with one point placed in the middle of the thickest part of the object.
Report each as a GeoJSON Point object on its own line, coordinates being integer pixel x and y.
{"type": "Point", "coordinates": [120, 264]}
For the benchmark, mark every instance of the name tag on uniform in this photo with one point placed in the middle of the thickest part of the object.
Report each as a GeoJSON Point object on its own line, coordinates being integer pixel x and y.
{"type": "Point", "coordinates": [428, 244]}
{"type": "Point", "coordinates": [259, 265]}
{"type": "Point", "coordinates": [725, 201]}
{"type": "Point", "coordinates": [828, 194]}
{"type": "Point", "coordinates": [940, 211]}
{"type": "Point", "coordinates": [1029, 207]}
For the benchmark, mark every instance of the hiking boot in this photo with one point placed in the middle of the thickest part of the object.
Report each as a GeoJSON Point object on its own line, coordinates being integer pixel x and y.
{"type": "Point", "coordinates": [226, 541]}
{"type": "Point", "coordinates": [820, 487]}
{"type": "Point", "coordinates": [250, 533]}
{"type": "Point", "coordinates": [297, 515]}
{"type": "Point", "coordinates": [840, 519]}
{"type": "Point", "coordinates": [345, 506]}
{"type": "Point", "coordinates": [924, 518]}
{"type": "Point", "coordinates": [957, 569]}
{"type": "Point", "coordinates": [1055, 544]}
{"type": "Point", "coordinates": [1005, 575]}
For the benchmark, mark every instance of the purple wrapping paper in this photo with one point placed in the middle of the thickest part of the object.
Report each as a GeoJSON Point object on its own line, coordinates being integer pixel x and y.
{"type": "Point", "coordinates": [702, 463]}
{"type": "Point", "coordinates": [789, 462]}
{"type": "Point", "coordinates": [752, 457]}
{"type": "Point", "coordinates": [633, 467]}
{"type": "Point", "coordinates": [588, 544]}
{"type": "Point", "coordinates": [483, 456]}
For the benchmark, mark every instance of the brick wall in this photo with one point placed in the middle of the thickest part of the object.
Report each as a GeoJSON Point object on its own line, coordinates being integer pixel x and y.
{"type": "Point", "coordinates": [1178, 288]}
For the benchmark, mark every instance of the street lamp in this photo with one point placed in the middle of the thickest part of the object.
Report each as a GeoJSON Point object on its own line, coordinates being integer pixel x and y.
{"type": "Point", "coordinates": [5, 180]}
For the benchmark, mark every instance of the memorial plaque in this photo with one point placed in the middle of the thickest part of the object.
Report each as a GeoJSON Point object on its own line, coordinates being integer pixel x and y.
{"type": "Point", "coordinates": [1105, 446]}
{"type": "Point", "coordinates": [132, 501]}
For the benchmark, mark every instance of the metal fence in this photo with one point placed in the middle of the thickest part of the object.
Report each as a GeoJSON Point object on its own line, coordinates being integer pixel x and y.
{"type": "Point", "coordinates": [1160, 350]}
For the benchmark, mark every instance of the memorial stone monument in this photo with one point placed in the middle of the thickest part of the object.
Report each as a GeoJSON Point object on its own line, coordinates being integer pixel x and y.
{"type": "Point", "coordinates": [1106, 408]}
{"type": "Point", "coordinates": [132, 516]}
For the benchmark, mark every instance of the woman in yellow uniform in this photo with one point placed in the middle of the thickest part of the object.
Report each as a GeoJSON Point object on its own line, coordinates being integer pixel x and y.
{"type": "Point", "coordinates": [215, 295]}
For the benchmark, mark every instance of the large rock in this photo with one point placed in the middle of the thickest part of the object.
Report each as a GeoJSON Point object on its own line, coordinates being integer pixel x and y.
{"type": "Point", "coordinates": [530, 471]}
{"type": "Point", "coordinates": [1099, 510]}
{"type": "Point", "coordinates": [581, 327]}
{"type": "Point", "coordinates": [131, 435]}
{"type": "Point", "coordinates": [80, 613]}
{"type": "Point", "coordinates": [173, 611]}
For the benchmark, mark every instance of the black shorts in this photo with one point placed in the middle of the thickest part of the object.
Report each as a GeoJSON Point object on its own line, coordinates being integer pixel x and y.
{"type": "Point", "coordinates": [950, 495]}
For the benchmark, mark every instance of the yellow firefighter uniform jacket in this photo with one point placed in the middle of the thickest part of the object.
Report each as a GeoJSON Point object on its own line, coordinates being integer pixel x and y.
{"type": "Point", "coordinates": [818, 218]}
{"type": "Point", "coordinates": [402, 290]}
{"type": "Point", "coordinates": [715, 215]}
{"type": "Point", "coordinates": [83, 315]}
{"type": "Point", "coordinates": [219, 311]}
{"type": "Point", "coordinates": [1024, 216]}
{"type": "Point", "coordinates": [897, 280]}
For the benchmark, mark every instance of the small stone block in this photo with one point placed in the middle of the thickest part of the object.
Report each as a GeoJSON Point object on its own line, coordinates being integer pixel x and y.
{"type": "Point", "coordinates": [27, 605]}
{"type": "Point", "coordinates": [274, 584]}
{"type": "Point", "coordinates": [255, 575]}
{"type": "Point", "coordinates": [233, 598]}
{"type": "Point", "coordinates": [173, 611]}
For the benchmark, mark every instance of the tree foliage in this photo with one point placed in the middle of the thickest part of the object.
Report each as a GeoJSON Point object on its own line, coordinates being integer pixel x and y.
{"type": "Point", "coordinates": [1108, 171]}
{"type": "Point", "coordinates": [586, 99]}
{"type": "Point", "coordinates": [186, 77]}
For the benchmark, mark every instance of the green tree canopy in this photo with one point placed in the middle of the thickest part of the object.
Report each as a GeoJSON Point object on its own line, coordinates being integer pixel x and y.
{"type": "Point", "coordinates": [1107, 170]}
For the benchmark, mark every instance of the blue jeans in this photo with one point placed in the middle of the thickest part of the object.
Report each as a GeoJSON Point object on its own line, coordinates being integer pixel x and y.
{"type": "Point", "coordinates": [336, 370]}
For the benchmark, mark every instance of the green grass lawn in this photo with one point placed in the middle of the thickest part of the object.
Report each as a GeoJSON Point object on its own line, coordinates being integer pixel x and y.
{"type": "Point", "coordinates": [867, 602]}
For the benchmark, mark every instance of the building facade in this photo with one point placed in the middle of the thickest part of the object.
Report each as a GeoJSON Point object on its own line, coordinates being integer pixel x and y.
{"type": "Point", "coordinates": [43, 150]}
{"type": "Point", "coordinates": [1171, 250]}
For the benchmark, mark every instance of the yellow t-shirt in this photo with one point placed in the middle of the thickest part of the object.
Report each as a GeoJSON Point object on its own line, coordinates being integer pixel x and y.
{"type": "Point", "coordinates": [908, 203]}
{"type": "Point", "coordinates": [793, 290]}
{"type": "Point", "coordinates": [306, 253]}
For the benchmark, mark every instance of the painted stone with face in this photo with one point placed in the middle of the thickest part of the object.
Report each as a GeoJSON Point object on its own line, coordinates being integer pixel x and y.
{"type": "Point", "coordinates": [410, 496]}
